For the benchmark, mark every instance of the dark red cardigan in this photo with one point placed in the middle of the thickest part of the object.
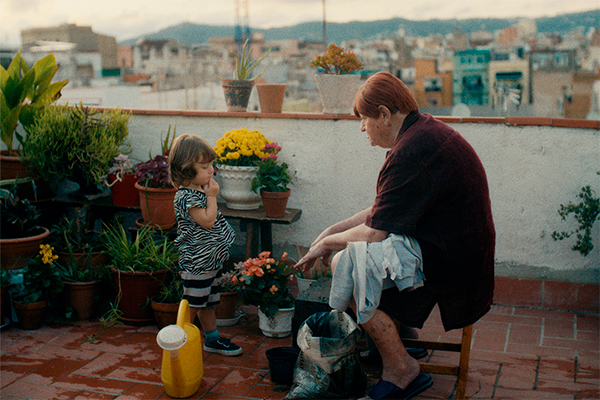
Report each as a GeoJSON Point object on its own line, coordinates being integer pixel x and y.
{"type": "Point", "coordinates": [433, 187]}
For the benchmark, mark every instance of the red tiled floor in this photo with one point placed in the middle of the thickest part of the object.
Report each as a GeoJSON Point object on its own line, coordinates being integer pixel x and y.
{"type": "Point", "coordinates": [517, 353]}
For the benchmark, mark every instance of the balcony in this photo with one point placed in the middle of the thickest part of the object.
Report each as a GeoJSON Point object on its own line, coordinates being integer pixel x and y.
{"type": "Point", "coordinates": [539, 341]}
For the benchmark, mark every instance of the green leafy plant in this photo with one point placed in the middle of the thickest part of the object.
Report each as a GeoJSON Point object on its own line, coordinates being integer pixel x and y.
{"type": "Point", "coordinates": [25, 92]}
{"type": "Point", "coordinates": [71, 235]}
{"type": "Point", "coordinates": [271, 176]}
{"type": "Point", "coordinates": [76, 143]}
{"type": "Point", "coordinates": [154, 173]}
{"type": "Point", "coordinates": [244, 66]}
{"type": "Point", "coordinates": [337, 61]}
{"type": "Point", "coordinates": [18, 217]}
{"type": "Point", "coordinates": [142, 254]}
{"type": "Point", "coordinates": [41, 278]}
{"type": "Point", "coordinates": [171, 292]}
{"type": "Point", "coordinates": [264, 282]}
{"type": "Point", "coordinates": [586, 212]}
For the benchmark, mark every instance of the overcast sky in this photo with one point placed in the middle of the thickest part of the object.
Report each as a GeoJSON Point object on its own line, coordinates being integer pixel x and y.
{"type": "Point", "coordinates": [125, 19]}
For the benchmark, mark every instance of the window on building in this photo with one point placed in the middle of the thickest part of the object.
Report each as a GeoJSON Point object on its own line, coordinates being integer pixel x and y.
{"type": "Point", "coordinates": [473, 82]}
{"type": "Point", "coordinates": [432, 84]}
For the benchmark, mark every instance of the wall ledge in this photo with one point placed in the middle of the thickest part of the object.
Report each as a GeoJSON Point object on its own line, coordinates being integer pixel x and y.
{"type": "Point", "coordinates": [512, 121]}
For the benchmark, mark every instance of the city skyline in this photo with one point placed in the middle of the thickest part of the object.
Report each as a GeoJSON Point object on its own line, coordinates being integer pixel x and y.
{"type": "Point", "coordinates": [125, 20]}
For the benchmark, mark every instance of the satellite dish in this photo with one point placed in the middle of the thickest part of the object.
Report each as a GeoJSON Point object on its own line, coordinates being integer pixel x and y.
{"type": "Point", "coordinates": [460, 110]}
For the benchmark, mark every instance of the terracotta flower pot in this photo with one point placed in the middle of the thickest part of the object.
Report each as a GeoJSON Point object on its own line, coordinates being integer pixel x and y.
{"type": "Point", "coordinates": [124, 192]}
{"type": "Point", "coordinates": [157, 206]}
{"type": "Point", "coordinates": [81, 259]}
{"type": "Point", "coordinates": [165, 313]}
{"type": "Point", "coordinates": [275, 203]}
{"type": "Point", "coordinates": [15, 253]}
{"type": "Point", "coordinates": [237, 94]}
{"type": "Point", "coordinates": [270, 96]}
{"type": "Point", "coordinates": [229, 305]}
{"type": "Point", "coordinates": [134, 290]}
{"type": "Point", "coordinates": [11, 167]}
{"type": "Point", "coordinates": [81, 297]}
{"type": "Point", "coordinates": [30, 316]}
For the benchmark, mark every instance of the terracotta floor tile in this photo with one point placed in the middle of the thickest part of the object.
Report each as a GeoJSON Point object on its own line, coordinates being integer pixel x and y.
{"type": "Point", "coordinates": [95, 396]}
{"type": "Point", "coordinates": [557, 328]}
{"type": "Point", "coordinates": [52, 371]}
{"type": "Point", "coordinates": [34, 391]}
{"type": "Point", "coordinates": [142, 391]}
{"type": "Point", "coordinates": [543, 351]}
{"type": "Point", "coordinates": [102, 365]}
{"type": "Point", "coordinates": [238, 382]}
{"type": "Point", "coordinates": [583, 389]}
{"type": "Point", "coordinates": [268, 392]}
{"type": "Point", "coordinates": [517, 376]}
{"type": "Point", "coordinates": [94, 384]}
{"type": "Point", "coordinates": [135, 374]}
{"type": "Point", "coordinates": [525, 334]}
{"type": "Point", "coordinates": [519, 394]}
{"type": "Point", "coordinates": [557, 369]}
{"type": "Point", "coordinates": [151, 358]}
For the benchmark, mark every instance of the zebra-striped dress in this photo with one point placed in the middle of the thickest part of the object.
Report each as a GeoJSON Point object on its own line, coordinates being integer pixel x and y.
{"type": "Point", "coordinates": [201, 251]}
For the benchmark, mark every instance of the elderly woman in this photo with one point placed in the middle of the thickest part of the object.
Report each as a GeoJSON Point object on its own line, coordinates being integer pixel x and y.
{"type": "Point", "coordinates": [431, 216]}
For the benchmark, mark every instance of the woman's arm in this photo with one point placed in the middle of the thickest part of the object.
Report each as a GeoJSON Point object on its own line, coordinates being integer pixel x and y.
{"type": "Point", "coordinates": [357, 219]}
{"type": "Point", "coordinates": [345, 231]}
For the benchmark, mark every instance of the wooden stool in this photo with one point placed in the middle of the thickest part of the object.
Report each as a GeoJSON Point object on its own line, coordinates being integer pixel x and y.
{"type": "Point", "coordinates": [462, 370]}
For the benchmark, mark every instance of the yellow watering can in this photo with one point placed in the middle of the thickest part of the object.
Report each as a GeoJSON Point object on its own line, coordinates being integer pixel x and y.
{"type": "Point", "coordinates": [182, 367]}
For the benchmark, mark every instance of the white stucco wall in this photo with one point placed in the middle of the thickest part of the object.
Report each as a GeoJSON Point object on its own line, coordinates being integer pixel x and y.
{"type": "Point", "coordinates": [531, 171]}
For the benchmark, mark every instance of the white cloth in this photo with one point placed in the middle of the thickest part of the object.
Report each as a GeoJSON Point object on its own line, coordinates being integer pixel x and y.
{"type": "Point", "coordinates": [365, 269]}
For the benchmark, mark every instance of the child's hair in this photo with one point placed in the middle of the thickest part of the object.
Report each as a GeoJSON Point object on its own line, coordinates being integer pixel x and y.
{"type": "Point", "coordinates": [185, 152]}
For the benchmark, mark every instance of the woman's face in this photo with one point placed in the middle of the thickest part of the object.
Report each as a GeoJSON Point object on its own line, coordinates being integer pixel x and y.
{"type": "Point", "coordinates": [378, 132]}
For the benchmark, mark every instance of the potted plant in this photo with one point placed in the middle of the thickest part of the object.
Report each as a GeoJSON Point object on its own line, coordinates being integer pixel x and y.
{"type": "Point", "coordinates": [121, 179]}
{"type": "Point", "coordinates": [314, 284]}
{"type": "Point", "coordinates": [237, 153]}
{"type": "Point", "coordinates": [586, 213]}
{"type": "Point", "coordinates": [165, 304]}
{"type": "Point", "coordinates": [139, 268]}
{"type": "Point", "coordinates": [272, 179]}
{"type": "Point", "coordinates": [226, 311]}
{"type": "Point", "coordinates": [264, 282]}
{"type": "Point", "coordinates": [81, 283]}
{"type": "Point", "coordinates": [156, 192]}
{"type": "Point", "coordinates": [75, 143]}
{"type": "Point", "coordinates": [75, 243]}
{"type": "Point", "coordinates": [24, 92]}
{"type": "Point", "coordinates": [34, 286]}
{"type": "Point", "coordinates": [271, 96]}
{"type": "Point", "coordinates": [336, 82]}
{"type": "Point", "coordinates": [237, 90]}
{"type": "Point", "coordinates": [20, 235]}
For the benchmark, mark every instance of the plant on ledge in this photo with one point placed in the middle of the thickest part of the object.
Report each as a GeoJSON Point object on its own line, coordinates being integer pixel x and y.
{"type": "Point", "coordinates": [271, 176]}
{"type": "Point", "coordinates": [241, 148]}
{"type": "Point", "coordinates": [264, 283]}
{"type": "Point", "coordinates": [244, 66]}
{"type": "Point", "coordinates": [586, 213]}
{"type": "Point", "coordinates": [337, 61]}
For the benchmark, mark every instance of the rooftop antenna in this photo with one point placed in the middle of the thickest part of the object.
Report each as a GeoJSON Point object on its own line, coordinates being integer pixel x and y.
{"type": "Point", "coordinates": [242, 27]}
{"type": "Point", "coordinates": [324, 25]}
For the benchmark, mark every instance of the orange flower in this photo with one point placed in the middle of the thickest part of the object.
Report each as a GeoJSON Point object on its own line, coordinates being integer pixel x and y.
{"type": "Point", "coordinates": [273, 289]}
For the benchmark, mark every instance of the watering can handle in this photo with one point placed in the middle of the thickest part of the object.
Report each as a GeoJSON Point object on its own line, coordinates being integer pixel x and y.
{"type": "Point", "coordinates": [183, 314]}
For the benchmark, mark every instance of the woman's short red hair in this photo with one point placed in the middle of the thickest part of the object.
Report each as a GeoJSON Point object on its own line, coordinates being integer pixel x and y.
{"type": "Point", "coordinates": [384, 89]}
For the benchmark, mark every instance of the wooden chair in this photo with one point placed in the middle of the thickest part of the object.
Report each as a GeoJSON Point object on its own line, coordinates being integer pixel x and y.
{"type": "Point", "coordinates": [464, 348]}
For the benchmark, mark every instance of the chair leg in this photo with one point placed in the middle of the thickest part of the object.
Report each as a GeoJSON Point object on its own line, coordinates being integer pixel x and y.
{"type": "Point", "coordinates": [463, 367]}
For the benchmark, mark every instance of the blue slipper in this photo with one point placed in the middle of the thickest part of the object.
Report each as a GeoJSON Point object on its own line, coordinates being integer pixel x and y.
{"type": "Point", "coordinates": [387, 390]}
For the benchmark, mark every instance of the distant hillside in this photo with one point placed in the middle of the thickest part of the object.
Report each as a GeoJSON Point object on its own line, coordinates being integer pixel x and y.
{"type": "Point", "coordinates": [188, 33]}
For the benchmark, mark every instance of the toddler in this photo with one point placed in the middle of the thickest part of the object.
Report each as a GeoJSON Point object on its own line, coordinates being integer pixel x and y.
{"type": "Point", "coordinates": [203, 235]}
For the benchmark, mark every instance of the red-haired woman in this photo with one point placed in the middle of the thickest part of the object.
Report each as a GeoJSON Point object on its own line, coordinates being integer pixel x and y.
{"type": "Point", "coordinates": [431, 189]}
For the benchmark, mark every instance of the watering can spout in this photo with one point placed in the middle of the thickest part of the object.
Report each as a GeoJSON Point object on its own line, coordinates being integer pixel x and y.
{"type": "Point", "coordinates": [182, 371]}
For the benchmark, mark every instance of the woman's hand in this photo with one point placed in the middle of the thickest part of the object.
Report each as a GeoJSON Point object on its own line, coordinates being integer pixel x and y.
{"type": "Point", "coordinates": [318, 251]}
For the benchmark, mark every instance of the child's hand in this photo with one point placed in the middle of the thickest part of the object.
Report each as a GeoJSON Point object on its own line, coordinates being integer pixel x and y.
{"type": "Point", "coordinates": [212, 189]}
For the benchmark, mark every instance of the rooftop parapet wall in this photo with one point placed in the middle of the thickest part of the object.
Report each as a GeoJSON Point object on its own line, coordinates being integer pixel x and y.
{"type": "Point", "coordinates": [533, 166]}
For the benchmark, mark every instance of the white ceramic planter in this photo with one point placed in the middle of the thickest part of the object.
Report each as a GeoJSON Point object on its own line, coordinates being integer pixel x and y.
{"type": "Point", "coordinates": [337, 92]}
{"type": "Point", "coordinates": [236, 187]}
{"type": "Point", "coordinates": [278, 326]}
